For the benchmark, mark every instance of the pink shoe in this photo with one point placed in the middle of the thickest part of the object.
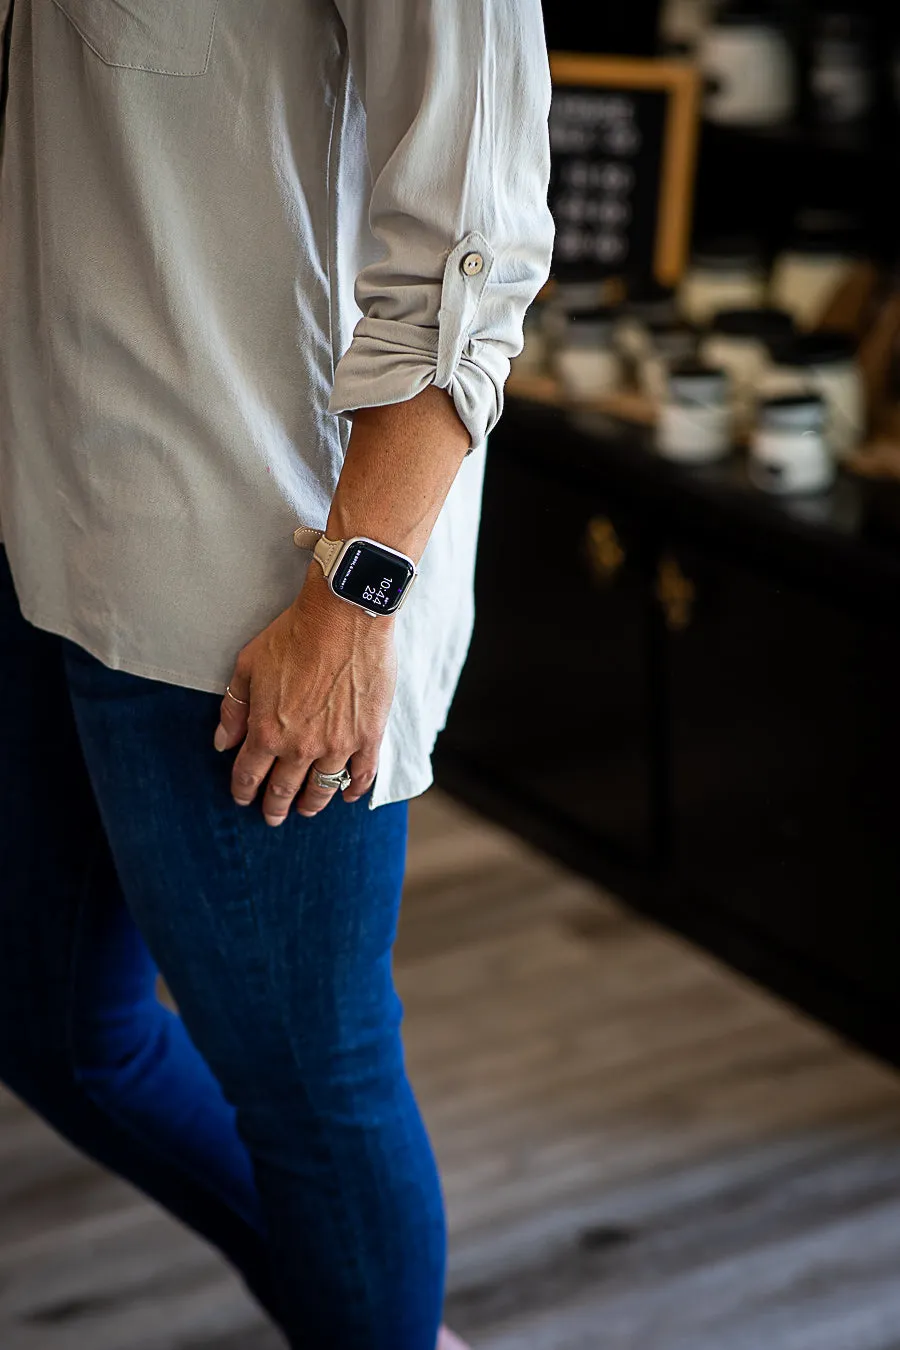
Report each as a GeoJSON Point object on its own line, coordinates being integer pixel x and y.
{"type": "Point", "coordinates": [447, 1341]}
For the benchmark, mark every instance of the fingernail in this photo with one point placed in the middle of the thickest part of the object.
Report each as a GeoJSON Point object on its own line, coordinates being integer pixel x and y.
{"type": "Point", "coordinates": [220, 740]}
{"type": "Point", "coordinates": [274, 820]}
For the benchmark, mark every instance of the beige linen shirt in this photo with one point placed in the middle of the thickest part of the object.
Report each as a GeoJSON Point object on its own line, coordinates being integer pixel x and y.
{"type": "Point", "coordinates": [224, 224]}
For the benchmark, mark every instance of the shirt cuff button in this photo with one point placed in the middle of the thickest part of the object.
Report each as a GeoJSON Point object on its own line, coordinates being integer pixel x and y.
{"type": "Point", "coordinates": [472, 264]}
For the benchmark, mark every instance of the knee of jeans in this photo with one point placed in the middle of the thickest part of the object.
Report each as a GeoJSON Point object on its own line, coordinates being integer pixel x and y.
{"type": "Point", "coordinates": [345, 1069]}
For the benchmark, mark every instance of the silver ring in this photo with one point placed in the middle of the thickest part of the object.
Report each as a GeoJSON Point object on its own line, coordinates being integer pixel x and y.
{"type": "Point", "coordinates": [328, 781]}
{"type": "Point", "coordinates": [244, 702]}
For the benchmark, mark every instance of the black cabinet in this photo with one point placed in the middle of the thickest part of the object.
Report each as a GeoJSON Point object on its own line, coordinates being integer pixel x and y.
{"type": "Point", "coordinates": [555, 698]}
{"type": "Point", "coordinates": [689, 693]}
{"type": "Point", "coordinates": [785, 745]}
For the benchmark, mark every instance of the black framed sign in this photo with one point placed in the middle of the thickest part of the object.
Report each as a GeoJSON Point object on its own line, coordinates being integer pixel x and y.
{"type": "Point", "coordinates": [623, 137]}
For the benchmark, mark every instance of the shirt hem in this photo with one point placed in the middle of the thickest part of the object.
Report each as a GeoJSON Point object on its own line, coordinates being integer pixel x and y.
{"type": "Point", "coordinates": [128, 667]}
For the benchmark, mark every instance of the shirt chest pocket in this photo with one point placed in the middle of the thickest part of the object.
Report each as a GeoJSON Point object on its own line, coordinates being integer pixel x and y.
{"type": "Point", "coordinates": [166, 37]}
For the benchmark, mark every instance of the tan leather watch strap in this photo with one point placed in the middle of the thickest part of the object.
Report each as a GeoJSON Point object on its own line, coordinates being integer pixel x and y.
{"type": "Point", "coordinates": [324, 550]}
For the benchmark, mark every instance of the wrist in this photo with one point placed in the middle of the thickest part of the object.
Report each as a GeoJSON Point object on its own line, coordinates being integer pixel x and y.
{"type": "Point", "coordinates": [346, 524]}
{"type": "Point", "coordinates": [317, 596]}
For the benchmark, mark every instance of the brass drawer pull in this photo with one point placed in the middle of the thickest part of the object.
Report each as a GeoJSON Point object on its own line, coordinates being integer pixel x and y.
{"type": "Point", "coordinates": [676, 594]}
{"type": "Point", "coordinates": [605, 552]}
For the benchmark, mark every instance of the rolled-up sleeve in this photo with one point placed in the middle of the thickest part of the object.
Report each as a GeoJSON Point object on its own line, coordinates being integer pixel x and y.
{"type": "Point", "coordinates": [457, 98]}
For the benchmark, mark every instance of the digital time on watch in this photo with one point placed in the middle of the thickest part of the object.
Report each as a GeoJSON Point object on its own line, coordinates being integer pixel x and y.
{"type": "Point", "coordinates": [361, 571]}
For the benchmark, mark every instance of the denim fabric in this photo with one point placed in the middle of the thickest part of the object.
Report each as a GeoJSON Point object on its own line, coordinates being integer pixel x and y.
{"type": "Point", "coordinates": [274, 1115]}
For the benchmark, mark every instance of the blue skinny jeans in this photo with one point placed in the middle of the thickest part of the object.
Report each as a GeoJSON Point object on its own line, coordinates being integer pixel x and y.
{"type": "Point", "coordinates": [273, 1114]}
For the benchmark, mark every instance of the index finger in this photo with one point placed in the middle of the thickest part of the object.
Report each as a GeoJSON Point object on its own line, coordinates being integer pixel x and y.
{"type": "Point", "coordinates": [234, 714]}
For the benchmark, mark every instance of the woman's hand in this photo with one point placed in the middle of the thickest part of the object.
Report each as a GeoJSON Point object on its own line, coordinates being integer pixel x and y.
{"type": "Point", "coordinates": [319, 682]}
{"type": "Point", "coordinates": [320, 679]}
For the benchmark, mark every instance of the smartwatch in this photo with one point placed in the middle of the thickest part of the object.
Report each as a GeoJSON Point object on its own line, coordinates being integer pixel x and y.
{"type": "Point", "coordinates": [365, 573]}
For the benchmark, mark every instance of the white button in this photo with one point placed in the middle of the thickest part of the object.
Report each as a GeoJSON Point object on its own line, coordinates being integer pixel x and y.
{"type": "Point", "coordinates": [472, 264]}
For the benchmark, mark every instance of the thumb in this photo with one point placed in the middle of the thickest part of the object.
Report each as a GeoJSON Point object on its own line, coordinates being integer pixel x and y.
{"type": "Point", "coordinates": [234, 715]}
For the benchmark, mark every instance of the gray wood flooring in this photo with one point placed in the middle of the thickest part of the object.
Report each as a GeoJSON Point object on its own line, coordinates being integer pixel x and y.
{"type": "Point", "coordinates": [640, 1151]}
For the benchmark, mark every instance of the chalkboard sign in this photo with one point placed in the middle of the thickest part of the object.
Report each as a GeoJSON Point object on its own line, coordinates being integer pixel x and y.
{"type": "Point", "coordinates": [623, 136]}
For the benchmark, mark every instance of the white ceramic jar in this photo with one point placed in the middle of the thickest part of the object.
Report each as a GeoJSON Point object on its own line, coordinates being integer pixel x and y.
{"type": "Point", "coordinates": [827, 364]}
{"type": "Point", "coordinates": [695, 425]}
{"type": "Point", "coordinates": [723, 274]}
{"type": "Point", "coordinates": [585, 360]}
{"type": "Point", "coordinates": [788, 452]}
{"type": "Point", "coordinates": [749, 69]}
{"type": "Point", "coordinates": [738, 341]}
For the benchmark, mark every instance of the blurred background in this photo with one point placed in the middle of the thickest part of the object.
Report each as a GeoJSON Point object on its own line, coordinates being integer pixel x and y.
{"type": "Point", "coordinates": [682, 684]}
{"type": "Point", "coordinates": [650, 950]}
{"type": "Point", "coordinates": [683, 676]}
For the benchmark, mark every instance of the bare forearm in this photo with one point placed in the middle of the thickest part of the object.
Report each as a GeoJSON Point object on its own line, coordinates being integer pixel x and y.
{"type": "Point", "coordinates": [399, 467]}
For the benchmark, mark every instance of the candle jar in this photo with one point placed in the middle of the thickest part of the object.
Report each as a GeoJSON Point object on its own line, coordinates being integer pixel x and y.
{"type": "Point", "coordinates": [738, 341]}
{"type": "Point", "coordinates": [586, 361]}
{"type": "Point", "coordinates": [695, 422]}
{"type": "Point", "coordinates": [788, 452]}
{"type": "Point", "coordinates": [825, 363]}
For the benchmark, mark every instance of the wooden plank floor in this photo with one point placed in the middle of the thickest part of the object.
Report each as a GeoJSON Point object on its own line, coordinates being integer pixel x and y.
{"type": "Point", "coordinates": [640, 1151]}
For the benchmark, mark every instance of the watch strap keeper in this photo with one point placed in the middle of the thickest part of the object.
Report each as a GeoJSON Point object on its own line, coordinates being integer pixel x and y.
{"type": "Point", "coordinates": [325, 551]}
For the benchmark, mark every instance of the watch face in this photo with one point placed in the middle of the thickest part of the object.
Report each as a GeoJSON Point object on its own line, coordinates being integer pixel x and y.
{"type": "Point", "coordinates": [372, 577]}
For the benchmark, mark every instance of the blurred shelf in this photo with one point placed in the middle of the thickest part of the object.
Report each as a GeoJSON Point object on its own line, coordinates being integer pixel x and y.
{"type": "Point", "coordinates": [843, 544]}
